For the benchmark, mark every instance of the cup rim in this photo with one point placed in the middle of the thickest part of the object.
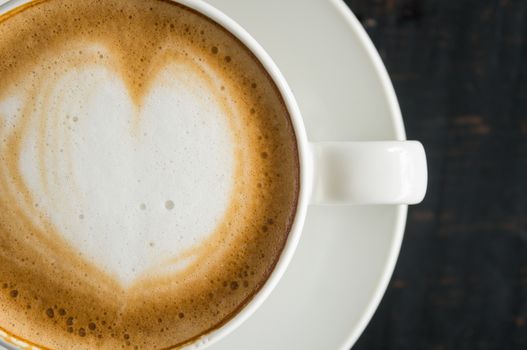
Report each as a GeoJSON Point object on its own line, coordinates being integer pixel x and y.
{"type": "Point", "coordinates": [305, 173]}
{"type": "Point", "coordinates": [305, 170]}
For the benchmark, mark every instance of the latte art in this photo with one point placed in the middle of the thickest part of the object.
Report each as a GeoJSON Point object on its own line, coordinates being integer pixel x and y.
{"type": "Point", "coordinates": [148, 174]}
{"type": "Point", "coordinates": [95, 163]}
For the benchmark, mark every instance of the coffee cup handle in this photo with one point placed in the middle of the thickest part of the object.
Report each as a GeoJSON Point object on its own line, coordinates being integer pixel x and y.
{"type": "Point", "coordinates": [371, 172]}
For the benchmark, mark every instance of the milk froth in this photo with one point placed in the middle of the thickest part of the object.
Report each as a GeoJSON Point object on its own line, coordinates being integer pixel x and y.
{"type": "Point", "coordinates": [148, 174]}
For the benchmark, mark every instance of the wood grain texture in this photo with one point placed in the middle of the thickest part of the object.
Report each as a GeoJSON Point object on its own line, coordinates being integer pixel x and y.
{"type": "Point", "coordinates": [459, 68]}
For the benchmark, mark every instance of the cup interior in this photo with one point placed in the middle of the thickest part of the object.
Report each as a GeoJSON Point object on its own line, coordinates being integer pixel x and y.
{"type": "Point", "coordinates": [306, 172]}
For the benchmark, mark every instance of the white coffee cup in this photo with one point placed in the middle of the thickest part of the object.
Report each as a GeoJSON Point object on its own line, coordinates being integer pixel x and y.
{"type": "Point", "coordinates": [331, 173]}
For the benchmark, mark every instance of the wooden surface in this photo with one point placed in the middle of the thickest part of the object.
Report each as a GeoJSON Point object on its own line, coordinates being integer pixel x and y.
{"type": "Point", "coordinates": [459, 68]}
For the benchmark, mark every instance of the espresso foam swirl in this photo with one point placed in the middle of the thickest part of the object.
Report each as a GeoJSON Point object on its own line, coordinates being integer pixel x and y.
{"type": "Point", "coordinates": [96, 196]}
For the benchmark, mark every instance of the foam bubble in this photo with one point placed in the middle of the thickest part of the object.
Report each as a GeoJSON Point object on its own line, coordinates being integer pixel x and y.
{"type": "Point", "coordinates": [169, 204]}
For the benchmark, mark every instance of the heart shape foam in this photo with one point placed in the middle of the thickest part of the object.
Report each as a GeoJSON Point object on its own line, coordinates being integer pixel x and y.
{"type": "Point", "coordinates": [129, 183]}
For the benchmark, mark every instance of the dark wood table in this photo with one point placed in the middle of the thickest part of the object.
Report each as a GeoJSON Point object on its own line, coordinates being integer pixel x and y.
{"type": "Point", "coordinates": [459, 68]}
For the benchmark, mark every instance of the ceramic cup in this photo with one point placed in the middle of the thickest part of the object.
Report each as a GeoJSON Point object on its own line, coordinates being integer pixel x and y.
{"type": "Point", "coordinates": [331, 173]}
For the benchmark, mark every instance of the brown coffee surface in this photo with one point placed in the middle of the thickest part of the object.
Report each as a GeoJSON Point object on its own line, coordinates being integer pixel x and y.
{"type": "Point", "coordinates": [53, 297]}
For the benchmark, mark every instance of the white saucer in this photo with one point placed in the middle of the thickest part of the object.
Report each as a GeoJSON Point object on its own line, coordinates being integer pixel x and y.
{"type": "Point", "coordinates": [347, 254]}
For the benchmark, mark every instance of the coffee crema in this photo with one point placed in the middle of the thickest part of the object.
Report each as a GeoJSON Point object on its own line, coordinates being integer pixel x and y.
{"type": "Point", "coordinates": [149, 174]}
